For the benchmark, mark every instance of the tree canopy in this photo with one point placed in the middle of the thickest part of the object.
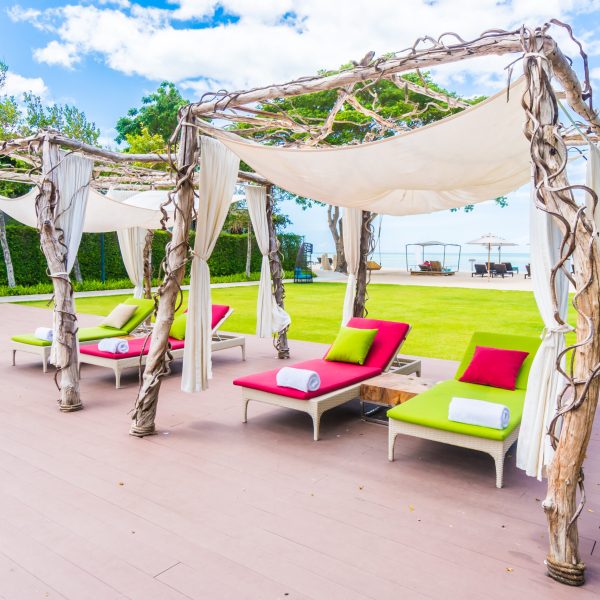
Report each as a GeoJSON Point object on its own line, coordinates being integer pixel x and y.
{"type": "Point", "coordinates": [157, 115]}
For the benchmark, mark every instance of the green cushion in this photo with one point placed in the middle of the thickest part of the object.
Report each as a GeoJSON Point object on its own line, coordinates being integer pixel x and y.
{"type": "Point", "coordinates": [144, 310]}
{"type": "Point", "coordinates": [30, 339]}
{"type": "Point", "coordinates": [87, 334]}
{"type": "Point", "coordinates": [430, 409]}
{"type": "Point", "coordinates": [506, 342]}
{"type": "Point", "coordinates": [177, 330]}
{"type": "Point", "coordinates": [352, 345]}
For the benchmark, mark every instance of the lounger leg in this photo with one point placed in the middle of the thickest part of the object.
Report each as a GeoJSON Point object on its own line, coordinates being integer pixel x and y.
{"type": "Point", "coordinates": [45, 363]}
{"type": "Point", "coordinates": [117, 377]}
{"type": "Point", "coordinates": [316, 417]}
{"type": "Point", "coordinates": [499, 462]}
{"type": "Point", "coordinates": [244, 350]}
{"type": "Point", "coordinates": [14, 354]}
{"type": "Point", "coordinates": [245, 410]}
{"type": "Point", "coordinates": [391, 442]}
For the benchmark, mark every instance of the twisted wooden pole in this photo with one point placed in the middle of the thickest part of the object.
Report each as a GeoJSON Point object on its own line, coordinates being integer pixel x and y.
{"type": "Point", "coordinates": [554, 195]}
{"type": "Point", "coordinates": [169, 293]}
{"type": "Point", "coordinates": [54, 249]}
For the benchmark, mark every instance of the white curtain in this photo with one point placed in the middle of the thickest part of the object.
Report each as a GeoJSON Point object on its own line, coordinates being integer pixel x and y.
{"type": "Point", "coordinates": [351, 229]}
{"type": "Point", "coordinates": [73, 178]}
{"type": "Point", "coordinates": [534, 451]}
{"type": "Point", "coordinates": [592, 180]}
{"type": "Point", "coordinates": [256, 199]}
{"type": "Point", "coordinates": [131, 242]}
{"type": "Point", "coordinates": [270, 318]}
{"type": "Point", "coordinates": [73, 175]}
{"type": "Point", "coordinates": [218, 175]}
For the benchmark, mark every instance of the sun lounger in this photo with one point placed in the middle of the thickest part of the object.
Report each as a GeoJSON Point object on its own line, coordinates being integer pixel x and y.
{"type": "Point", "coordinates": [139, 347]}
{"type": "Point", "coordinates": [32, 345]}
{"type": "Point", "coordinates": [340, 382]}
{"type": "Point", "coordinates": [426, 415]}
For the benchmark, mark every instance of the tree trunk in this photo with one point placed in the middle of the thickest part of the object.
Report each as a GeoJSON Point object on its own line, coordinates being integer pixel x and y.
{"type": "Point", "coordinates": [10, 271]}
{"type": "Point", "coordinates": [277, 275]}
{"type": "Point", "coordinates": [148, 264]}
{"type": "Point", "coordinates": [77, 271]}
{"type": "Point", "coordinates": [159, 358]}
{"type": "Point", "coordinates": [578, 406]}
{"type": "Point", "coordinates": [362, 277]}
{"type": "Point", "coordinates": [65, 319]}
{"type": "Point", "coordinates": [249, 249]}
{"type": "Point", "coordinates": [334, 220]}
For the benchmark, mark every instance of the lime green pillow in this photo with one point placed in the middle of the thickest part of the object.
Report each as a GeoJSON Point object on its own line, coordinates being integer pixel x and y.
{"type": "Point", "coordinates": [177, 330]}
{"type": "Point", "coordinates": [352, 345]}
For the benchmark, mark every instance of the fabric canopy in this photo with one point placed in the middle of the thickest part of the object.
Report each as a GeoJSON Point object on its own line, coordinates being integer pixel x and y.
{"type": "Point", "coordinates": [473, 156]}
{"type": "Point", "coordinates": [102, 214]}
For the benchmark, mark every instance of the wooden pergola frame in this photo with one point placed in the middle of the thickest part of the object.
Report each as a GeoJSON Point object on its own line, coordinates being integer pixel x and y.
{"type": "Point", "coordinates": [542, 61]}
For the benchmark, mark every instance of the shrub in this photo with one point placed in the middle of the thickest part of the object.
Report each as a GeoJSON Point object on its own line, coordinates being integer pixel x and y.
{"type": "Point", "coordinates": [228, 258]}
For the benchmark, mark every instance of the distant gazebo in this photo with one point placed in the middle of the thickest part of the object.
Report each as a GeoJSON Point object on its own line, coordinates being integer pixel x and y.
{"type": "Point", "coordinates": [426, 266]}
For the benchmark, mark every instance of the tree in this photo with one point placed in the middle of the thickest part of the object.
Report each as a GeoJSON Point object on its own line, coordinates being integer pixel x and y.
{"type": "Point", "coordinates": [158, 115]}
{"type": "Point", "coordinates": [67, 119]}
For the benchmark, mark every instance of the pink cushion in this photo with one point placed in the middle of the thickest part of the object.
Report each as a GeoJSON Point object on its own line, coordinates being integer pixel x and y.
{"type": "Point", "coordinates": [136, 345]}
{"type": "Point", "coordinates": [334, 376]}
{"type": "Point", "coordinates": [494, 367]}
{"type": "Point", "coordinates": [218, 312]}
{"type": "Point", "coordinates": [389, 338]}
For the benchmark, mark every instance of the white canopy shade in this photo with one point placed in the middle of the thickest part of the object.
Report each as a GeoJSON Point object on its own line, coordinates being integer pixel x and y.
{"type": "Point", "coordinates": [473, 156]}
{"type": "Point", "coordinates": [102, 214]}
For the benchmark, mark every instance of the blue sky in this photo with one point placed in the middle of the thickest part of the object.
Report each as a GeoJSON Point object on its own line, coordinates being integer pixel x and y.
{"type": "Point", "coordinates": [103, 55]}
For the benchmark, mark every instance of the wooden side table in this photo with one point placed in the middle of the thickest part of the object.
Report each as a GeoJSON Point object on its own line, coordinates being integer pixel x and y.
{"type": "Point", "coordinates": [388, 390]}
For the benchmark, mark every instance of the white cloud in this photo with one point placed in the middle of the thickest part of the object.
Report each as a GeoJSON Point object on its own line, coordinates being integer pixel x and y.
{"type": "Point", "coordinates": [275, 40]}
{"type": "Point", "coordinates": [16, 85]}
{"type": "Point", "coordinates": [55, 53]}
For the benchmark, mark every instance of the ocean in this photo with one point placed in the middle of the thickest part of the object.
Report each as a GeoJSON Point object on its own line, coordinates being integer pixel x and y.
{"type": "Point", "coordinates": [397, 260]}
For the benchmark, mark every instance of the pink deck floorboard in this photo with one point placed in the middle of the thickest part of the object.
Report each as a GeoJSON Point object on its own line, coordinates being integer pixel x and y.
{"type": "Point", "coordinates": [212, 508]}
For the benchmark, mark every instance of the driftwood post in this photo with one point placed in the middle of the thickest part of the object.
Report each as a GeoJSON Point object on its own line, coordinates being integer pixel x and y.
{"type": "Point", "coordinates": [159, 359]}
{"type": "Point", "coordinates": [362, 277]}
{"type": "Point", "coordinates": [148, 263]}
{"type": "Point", "coordinates": [578, 404]}
{"type": "Point", "coordinates": [277, 275]}
{"type": "Point", "coordinates": [55, 251]}
{"type": "Point", "coordinates": [10, 272]}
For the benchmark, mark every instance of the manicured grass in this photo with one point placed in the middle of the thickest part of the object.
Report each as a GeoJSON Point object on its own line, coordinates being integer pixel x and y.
{"type": "Point", "coordinates": [442, 319]}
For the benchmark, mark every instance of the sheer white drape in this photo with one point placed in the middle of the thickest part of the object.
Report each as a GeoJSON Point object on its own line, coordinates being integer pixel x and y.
{"type": "Point", "coordinates": [131, 244]}
{"type": "Point", "coordinates": [351, 229]}
{"type": "Point", "coordinates": [592, 180]}
{"type": "Point", "coordinates": [73, 175]}
{"type": "Point", "coordinates": [534, 451]}
{"type": "Point", "coordinates": [218, 175]}
{"type": "Point", "coordinates": [256, 199]}
{"type": "Point", "coordinates": [270, 318]}
{"type": "Point", "coordinates": [73, 178]}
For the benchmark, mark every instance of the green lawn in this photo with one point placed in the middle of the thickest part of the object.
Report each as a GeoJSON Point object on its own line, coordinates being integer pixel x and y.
{"type": "Point", "coordinates": [443, 319]}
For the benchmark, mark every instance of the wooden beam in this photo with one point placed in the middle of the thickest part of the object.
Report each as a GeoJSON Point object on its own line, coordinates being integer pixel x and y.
{"type": "Point", "coordinates": [426, 91]}
{"type": "Point", "coordinates": [493, 43]}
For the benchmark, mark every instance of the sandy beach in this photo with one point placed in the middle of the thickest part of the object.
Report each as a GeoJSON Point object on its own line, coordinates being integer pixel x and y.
{"type": "Point", "coordinates": [459, 280]}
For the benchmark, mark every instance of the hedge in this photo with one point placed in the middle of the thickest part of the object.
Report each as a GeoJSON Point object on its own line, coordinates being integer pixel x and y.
{"type": "Point", "coordinates": [228, 258]}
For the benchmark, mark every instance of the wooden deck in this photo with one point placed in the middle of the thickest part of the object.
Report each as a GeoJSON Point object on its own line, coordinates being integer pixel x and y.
{"type": "Point", "coordinates": [212, 509]}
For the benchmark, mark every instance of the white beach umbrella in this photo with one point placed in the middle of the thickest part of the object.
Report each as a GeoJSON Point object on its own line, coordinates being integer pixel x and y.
{"type": "Point", "coordinates": [490, 240]}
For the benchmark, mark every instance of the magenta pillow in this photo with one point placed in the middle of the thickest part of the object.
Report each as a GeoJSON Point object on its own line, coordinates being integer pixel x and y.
{"type": "Point", "coordinates": [495, 367]}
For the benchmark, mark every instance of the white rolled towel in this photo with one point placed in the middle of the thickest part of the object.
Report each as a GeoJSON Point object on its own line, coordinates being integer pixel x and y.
{"type": "Point", "coordinates": [44, 333]}
{"type": "Point", "coordinates": [113, 345]}
{"type": "Point", "coordinates": [299, 379]}
{"type": "Point", "coordinates": [479, 412]}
